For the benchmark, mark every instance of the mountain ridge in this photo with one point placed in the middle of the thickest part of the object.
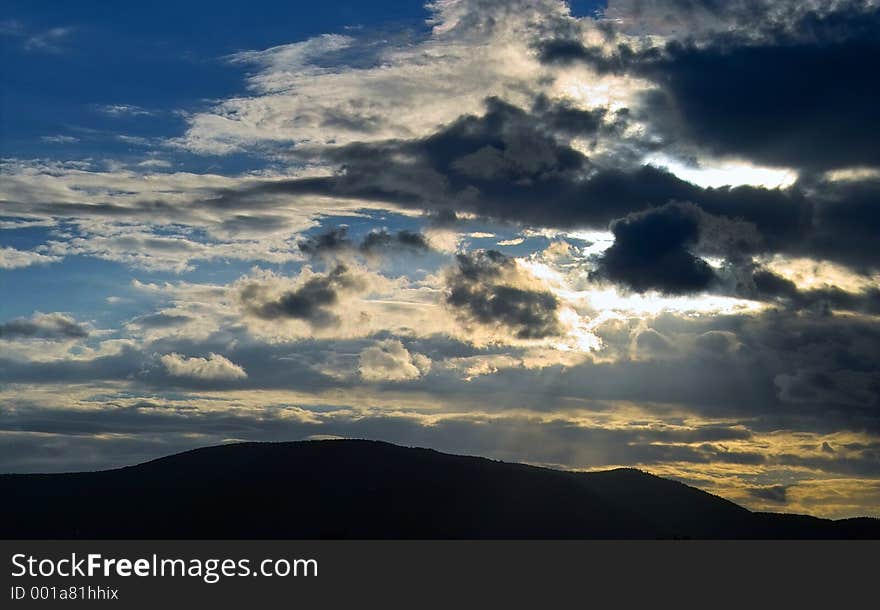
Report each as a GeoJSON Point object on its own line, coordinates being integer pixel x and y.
{"type": "Point", "coordinates": [375, 490]}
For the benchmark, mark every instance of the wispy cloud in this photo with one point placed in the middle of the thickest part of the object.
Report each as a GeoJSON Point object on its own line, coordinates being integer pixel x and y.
{"type": "Point", "coordinates": [50, 40]}
{"type": "Point", "coordinates": [119, 110]}
{"type": "Point", "coordinates": [59, 139]}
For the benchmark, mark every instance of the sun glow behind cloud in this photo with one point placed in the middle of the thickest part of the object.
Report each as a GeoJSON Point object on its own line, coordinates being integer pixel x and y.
{"type": "Point", "coordinates": [714, 174]}
{"type": "Point", "coordinates": [613, 302]}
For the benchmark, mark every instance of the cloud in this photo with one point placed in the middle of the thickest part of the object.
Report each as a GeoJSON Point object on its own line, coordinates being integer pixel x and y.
{"type": "Point", "coordinates": [112, 207]}
{"type": "Point", "coordinates": [779, 113]}
{"type": "Point", "coordinates": [157, 163]}
{"type": "Point", "coordinates": [10, 258]}
{"type": "Point", "coordinates": [343, 89]}
{"type": "Point", "coordinates": [766, 85]}
{"type": "Point", "coordinates": [335, 241]}
{"type": "Point", "coordinates": [48, 40]}
{"type": "Point", "coordinates": [118, 110]}
{"type": "Point", "coordinates": [829, 383]}
{"type": "Point", "coordinates": [511, 164]}
{"type": "Point", "coordinates": [389, 360]}
{"type": "Point", "coordinates": [770, 286]}
{"type": "Point", "coordinates": [215, 367]}
{"type": "Point", "coordinates": [488, 288]}
{"type": "Point", "coordinates": [546, 157]}
{"type": "Point", "coordinates": [382, 241]}
{"type": "Point", "coordinates": [170, 247]}
{"type": "Point", "coordinates": [845, 223]}
{"type": "Point", "coordinates": [329, 242]}
{"type": "Point", "coordinates": [50, 326]}
{"type": "Point", "coordinates": [312, 301]}
{"type": "Point", "coordinates": [772, 493]}
{"type": "Point", "coordinates": [31, 40]}
{"type": "Point", "coordinates": [161, 320]}
{"type": "Point", "coordinates": [651, 343]}
{"type": "Point", "coordinates": [652, 251]}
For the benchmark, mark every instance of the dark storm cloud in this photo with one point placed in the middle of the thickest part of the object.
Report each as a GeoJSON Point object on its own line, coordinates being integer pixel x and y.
{"type": "Point", "coordinates": [476, 291]}
{"type": "Point", "coordinates": [56, 327]}
{"type": "Point", "coordinates": [652, 251]}
{"type": "Point", "coordinates": [502, 164]}
{"type": "Point", "coordinates": [793, 93]}
{"type": "Point", "coordinates": [775, 104]}
{"type": "Point", "coordinates": [663, 247]}
{"type": "Point", "coordinates": [513, 165]}
{"type": "Point", "coordinates": [311, 302]}
{"type": "Point", "coordinates": [846, 223]}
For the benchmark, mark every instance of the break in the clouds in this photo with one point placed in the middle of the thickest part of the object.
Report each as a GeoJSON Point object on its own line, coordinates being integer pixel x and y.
{"type": "Point", "coordinates": [638, 234]}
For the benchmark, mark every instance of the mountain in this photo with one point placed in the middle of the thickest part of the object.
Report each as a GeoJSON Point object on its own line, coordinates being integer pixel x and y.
{"type": "Point", "coordinates": [374, 490]}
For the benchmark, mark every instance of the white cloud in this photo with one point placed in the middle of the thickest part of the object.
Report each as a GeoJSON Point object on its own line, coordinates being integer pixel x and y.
{"type": "Point", "coordinates": [406, 91]}
{"type": "Point", "coordinates": [214, 367]}
{"type": "Point", "coordinates": [166, 248]}
{"type": "Point", "coordinates": [10, 258]}
{"type": "Point", "coordinates": [107, 204]}
{"type": "Point", "coordinates": [389, 360]}
{"type": "Point", "coordinates": [286, 59]}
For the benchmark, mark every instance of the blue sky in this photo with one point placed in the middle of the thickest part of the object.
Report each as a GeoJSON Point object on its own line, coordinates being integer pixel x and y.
{"type": "Point", "coordinates": [162, 58]}
{"type": "Point", "coordinates": [528, 230]}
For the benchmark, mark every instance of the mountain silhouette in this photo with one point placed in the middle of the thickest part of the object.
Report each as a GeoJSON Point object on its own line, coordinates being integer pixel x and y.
{"type": "Point", "coordinates": [376, 490]}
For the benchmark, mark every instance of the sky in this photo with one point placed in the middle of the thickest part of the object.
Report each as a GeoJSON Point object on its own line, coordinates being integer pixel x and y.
{"type": "Point", "coordinates": [635, 233]}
